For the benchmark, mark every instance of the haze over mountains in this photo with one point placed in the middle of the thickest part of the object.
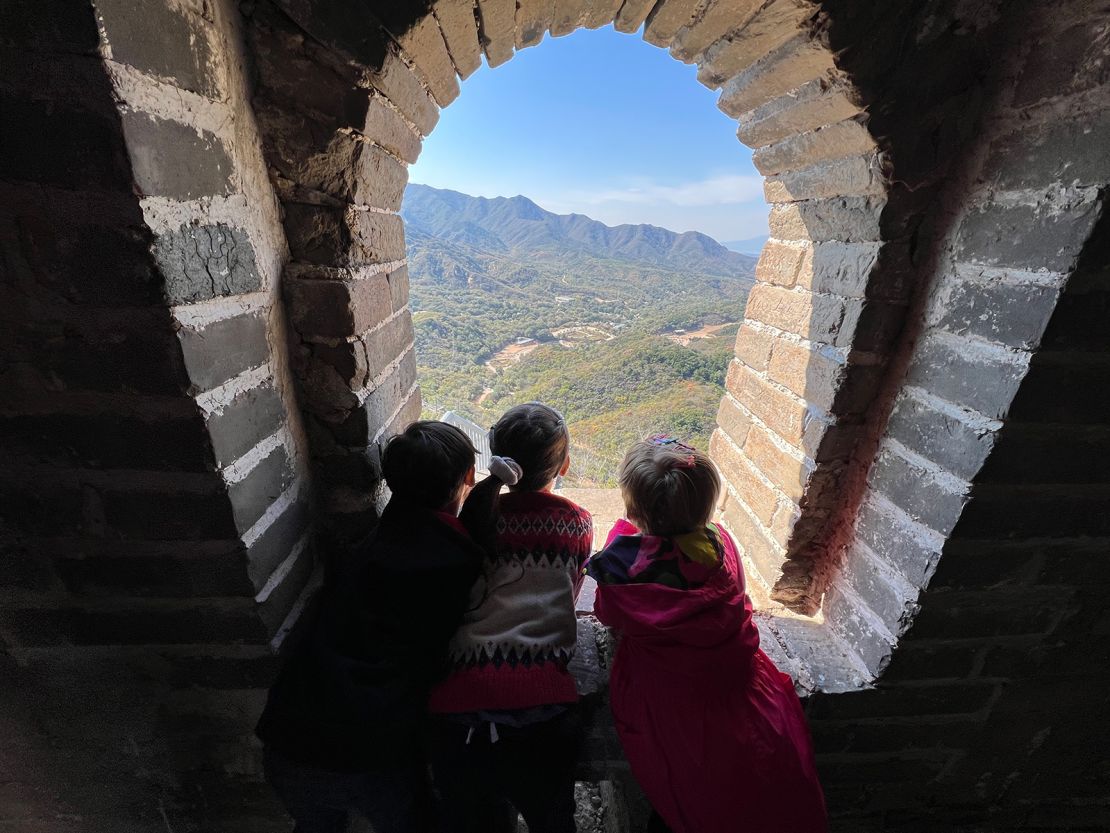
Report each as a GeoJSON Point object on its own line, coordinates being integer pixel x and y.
{"type": "Point", "coordinates": [627, 330]}
{"type": "Point", "coordinates": [516, 225]}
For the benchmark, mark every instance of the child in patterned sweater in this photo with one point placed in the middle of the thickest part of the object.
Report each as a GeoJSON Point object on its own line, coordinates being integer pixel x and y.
{"type": "Point", "coordinates": [506, 734]}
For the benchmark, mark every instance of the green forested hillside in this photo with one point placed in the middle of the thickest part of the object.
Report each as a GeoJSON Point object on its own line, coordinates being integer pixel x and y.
{"type": "Point", "coordinates": [513, 304]}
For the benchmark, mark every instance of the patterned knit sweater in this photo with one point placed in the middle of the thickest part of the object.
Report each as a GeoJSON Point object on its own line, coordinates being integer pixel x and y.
{"type": "Point", "coordinates": [512, 649]}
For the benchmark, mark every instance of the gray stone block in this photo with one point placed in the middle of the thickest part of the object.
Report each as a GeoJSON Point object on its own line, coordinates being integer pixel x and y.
{"type": "Point", "coordinates": [162, 40]}
{"type": "Point", "coordinates": [917, 491]}
{"type": "Point", "coordinates": [1010, 314]}
{"type": "Point", "coordinates": [224, 349]}
{"type": "Point", "coordinates": [170, 159]}
{"type": "Point", "coordinates": [1047, 236]}
{"type": "Point", "coordinates": [912, 554]}
{"type": "Point", "coordinates": [944, 439]}
{"type": "Point", "coordinates": [1069, 152]}
{"type": "Point", "coordinates": [1068, 388]}
{"type": "Point", "coordinates": [981, 379]}
{"type": "Point", "coordinates": [252, 495]}
{"type": "Point", "coordinates": [180, 515]}
{"type": "Point", "coordinates": [247, 420]}
{"type": "Point", "coordinates": [273, 545]}
{"type": "Point", "coordinates": [204, 262]}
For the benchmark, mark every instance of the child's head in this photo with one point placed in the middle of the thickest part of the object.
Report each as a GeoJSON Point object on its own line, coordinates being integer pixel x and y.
{"type": "Point", "coordinates": [668, 488]}
{"type": "Point", "coordinates": [430, 464]}
{"type": "Point", "coordinates": [536, 437]}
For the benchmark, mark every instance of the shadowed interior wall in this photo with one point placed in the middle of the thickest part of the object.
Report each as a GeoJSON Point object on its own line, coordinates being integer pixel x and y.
{"type": "Point", "coordinates": [912, 432]}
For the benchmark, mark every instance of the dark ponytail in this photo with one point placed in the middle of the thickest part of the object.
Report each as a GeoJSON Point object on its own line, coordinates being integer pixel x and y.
{"type": "Point", "coordinates": [479, 513]}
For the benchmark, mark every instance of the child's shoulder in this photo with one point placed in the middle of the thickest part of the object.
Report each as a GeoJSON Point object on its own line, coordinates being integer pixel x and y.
{"type": "Point", "coordinates": [544, 502]}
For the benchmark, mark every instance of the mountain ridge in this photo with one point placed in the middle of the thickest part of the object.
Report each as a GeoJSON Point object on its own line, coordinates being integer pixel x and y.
{"type": "Point", "coordinates": [504, 225]}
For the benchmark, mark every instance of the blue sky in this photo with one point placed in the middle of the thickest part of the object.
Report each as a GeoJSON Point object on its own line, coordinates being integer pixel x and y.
{"type": "Point", "coordinates": [603, 124]}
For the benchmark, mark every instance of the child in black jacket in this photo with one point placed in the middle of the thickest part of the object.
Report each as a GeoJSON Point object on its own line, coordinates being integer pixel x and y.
{"type": "Point", "coordinates": [343, 724]}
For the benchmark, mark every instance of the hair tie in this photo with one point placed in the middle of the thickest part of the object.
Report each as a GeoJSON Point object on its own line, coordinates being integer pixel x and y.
{"type": "Point", "coordinates": [666, 441]}
{"type": "Point", "coordinates": [505, 469]}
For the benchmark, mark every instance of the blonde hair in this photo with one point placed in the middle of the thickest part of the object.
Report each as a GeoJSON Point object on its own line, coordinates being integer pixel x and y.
{"type": "Point", "coordinates": [668, 488]}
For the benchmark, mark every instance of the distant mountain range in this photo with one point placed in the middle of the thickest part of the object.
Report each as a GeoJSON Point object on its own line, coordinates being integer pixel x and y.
{"type": "Point", "coordinates": [516, 226]}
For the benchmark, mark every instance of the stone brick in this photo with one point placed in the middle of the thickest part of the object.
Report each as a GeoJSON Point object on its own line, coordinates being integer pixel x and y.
{"type": "Point", "coordinates": [1036, 510]}
{"type": "Point", "coordinates": [239, 671]}
{"type": "Point", "coordinates": [632, 15]}
{"type": "Point", "coordinates": [798, 61]}
{"type": "Point", "coordinates": [337, 308]}
{"type": "Point", "coordinates": [359, 361]}
{"type": "Point", "coordinates": [165, 570]}
{"type": "Point", "coordinates": [928, 500]}
{"type": "Point", "coordinates": [732, 421]}
{"type": "Point", "coordinates": [1047, 236]}
{"type": "Point", "coordinates": [344, 26]}
{"type": "Point", "coordinates": [952, 443]}
{"type": "Point", "coordinates": [849, 219]}
{"type": "Point", "coordinates": [966, 374]}
{"type": "Point", "coordinates": [51, 145]}
{"type": "Point", "coordinates": [850, 177]}
{"type": "Point", "coordinates": [889, 598]}
{"type": "Point", "coordinates": [568, 15]}
{"type": "Point", "coordinates": [360, 428]}
{"type": "Point", "coordinates": [161, 40]}
{"type": "Point", "coordinates": [86, 262]}
{"type": "Point", "coordinates": [969, 564]}
{"type": "Point", "coordinates": [274, 609]}
{"type": "Point", "coordinates": [385, 126]}
{"type": "Point", "coordinates": [811, 374]}
{"type": "Point", "coordinates": [1012, 314]}
{"type": "Point", "coordinates": [903, 701]}
{"type": "Point", "coordinates": [96, 352]}
{"type": "Point", "coordinates": [460, 32]}
{"type": "Point", "coordinates": [668, 16]}
{"type": "Point", "coordinates": [790, 474]}
{"type": "Point", "coordinates": [1065, 152]}
{"type": "Point", "coordinates": [779, 263]}
{"type": "Point", "coordinates": [816, 317]}
{"type": "Point", "coordinates": [714, 22]}
{"type": "Point", "coordinates": [338, 237]}
{"type": "Point", "coordinates": [771, 27]}
{"type": "Point", "coordinates": [399, 288]}
{"type": "Point", "coordinates": [401, 86]}
{"type": "Point", "coordinates": [912, 552]}
{"type": "Point", "coordinates": [781, 411]}
{"type": "Point", "coordinates": [1070, 61]}
{"type": "Point", "coordinates": [275, 544]}
{"type": "Point", "coordinates": [199, 263]}
{"type": "Point", "coordinates": [50, 27]}
{"type": "Point", "coordinates": [348, 168]}
{"type": "Point", "coordinates": [180, 515]}
{"type": "Point", "coordinates": [870, 326]}
{"type": "Point", "coordinates": [753, 347]}
{"type": "Point", "coordinates": [1030, 453]}
{"type": "Point", "coordinates": [248, 419]}
{"type": "Point", "coordinates": [834, 141]}
{"type": "Point", "coordinates": [601, 13]}
{"type": "Point", "coordinates": [106, 441]}
{"type": "Point", "coordinates": [252, 495]}
{"type": "Point", "coordinates": [993, 612]}
{"type": "Point", "coordinates": [405, 416]}
{"type": "Point", "coordinates": [738, 472]}
{"type": "Point", "coordinates": [423, 42]}
{"type": "Point", "coordinates": [224, 349]}
{"type": "Point", "coordinates": [533, 18]}
{"type": "Point", "coordinates": [853, 621]}
{"type": "Point", "coordinates": [1065, 388]}
{"type": "Point", "coordinates": [175, 160]}
{"type": "Point", "coordinates": [845, 269]}
{"type": "Point", "coordinates": [496, 29]}
{"type": "Point", "coordinates": [812, 105]}
{"type": "Point", "coordinates": [765, 555]}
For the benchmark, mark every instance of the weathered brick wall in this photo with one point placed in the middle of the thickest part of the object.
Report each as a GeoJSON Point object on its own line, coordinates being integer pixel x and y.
{"type": "Point", "coordinates": [901, 433]}
{"type": "Point", "coordinates": [154, 534]}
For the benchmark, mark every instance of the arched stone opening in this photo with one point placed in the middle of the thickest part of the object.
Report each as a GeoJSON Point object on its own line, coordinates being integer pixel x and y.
{"type": "Point", "coordinates": [821, 307]}
{"type": "Point", "coordinates": [141, 443]}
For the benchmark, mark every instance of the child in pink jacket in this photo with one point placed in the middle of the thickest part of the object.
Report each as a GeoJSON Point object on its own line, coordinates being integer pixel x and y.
{"type": "Point", "coordinates": [713, 731]}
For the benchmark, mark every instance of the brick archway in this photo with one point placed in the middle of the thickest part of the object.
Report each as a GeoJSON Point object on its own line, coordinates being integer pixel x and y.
{"type": "Point", "coordinates": [161, 194]}
{"type": "Point", "coordinates": [820, 321]}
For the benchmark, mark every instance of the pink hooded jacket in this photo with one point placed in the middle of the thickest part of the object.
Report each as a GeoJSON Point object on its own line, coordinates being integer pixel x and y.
{"type": "Point", "coordinates": [713, 731]}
